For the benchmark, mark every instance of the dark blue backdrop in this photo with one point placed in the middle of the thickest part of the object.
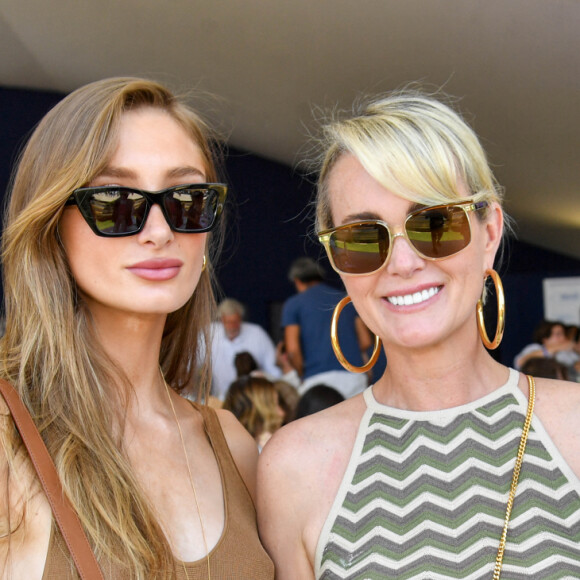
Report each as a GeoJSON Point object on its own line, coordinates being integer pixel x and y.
{"type": "Point", "coordinates": [270, 224]}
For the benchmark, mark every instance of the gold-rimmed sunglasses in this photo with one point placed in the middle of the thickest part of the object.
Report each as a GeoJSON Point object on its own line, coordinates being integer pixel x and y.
{"type": "Point", "coordinates": [435, 233]}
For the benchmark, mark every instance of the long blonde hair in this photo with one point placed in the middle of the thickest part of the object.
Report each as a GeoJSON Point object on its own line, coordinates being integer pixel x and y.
{"type": "Point", "coordinates": [50, 352]}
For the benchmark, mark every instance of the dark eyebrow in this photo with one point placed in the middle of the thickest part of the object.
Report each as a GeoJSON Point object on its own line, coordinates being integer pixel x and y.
{"type": "Point", "coordinates": [186, 171]}
{"type": "Point", "coordinates": [416, 207]}
{"type": "Point", "coordinates": [115, 172]}
{"type": "Point", "coordinates": [360, 217]}
{"type": "Point", "coordinates": [122, 172]}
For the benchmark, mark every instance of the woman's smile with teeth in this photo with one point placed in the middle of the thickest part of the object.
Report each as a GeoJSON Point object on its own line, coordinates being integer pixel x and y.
{"type": "Point", "coordinates": [415, 298]}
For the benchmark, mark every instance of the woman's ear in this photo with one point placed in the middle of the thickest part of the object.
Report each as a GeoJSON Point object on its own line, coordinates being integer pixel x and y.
{"type": "Point", "coordinates": [493, 232]}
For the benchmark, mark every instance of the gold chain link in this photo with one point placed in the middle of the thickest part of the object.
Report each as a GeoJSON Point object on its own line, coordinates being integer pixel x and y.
{"type": "Point", "coordinates": [515, 477]}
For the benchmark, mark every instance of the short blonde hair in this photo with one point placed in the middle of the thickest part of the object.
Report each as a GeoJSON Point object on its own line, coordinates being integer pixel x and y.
{"type": "Point", "coordinates": [413, 145]}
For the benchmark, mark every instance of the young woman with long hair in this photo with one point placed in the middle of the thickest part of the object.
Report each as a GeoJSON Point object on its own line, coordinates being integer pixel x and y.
{"type": "Point", "coordinates": [107, 262]}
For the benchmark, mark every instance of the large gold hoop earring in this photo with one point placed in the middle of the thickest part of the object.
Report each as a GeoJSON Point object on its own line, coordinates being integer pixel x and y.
{"type": "Point", "coordinates": [491, 345]}
{"type": "Point", "coordinates": [204, 264]}
{"type": "Point", "coordinates": [336, 345]}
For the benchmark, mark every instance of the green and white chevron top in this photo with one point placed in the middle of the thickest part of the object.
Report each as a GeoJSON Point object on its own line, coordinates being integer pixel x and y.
{"type": "Point", "coordinates": [424, 497]}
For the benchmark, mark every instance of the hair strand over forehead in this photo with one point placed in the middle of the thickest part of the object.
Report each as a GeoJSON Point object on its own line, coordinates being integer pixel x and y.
{"type": "Point", "coordinates": [411, 144]}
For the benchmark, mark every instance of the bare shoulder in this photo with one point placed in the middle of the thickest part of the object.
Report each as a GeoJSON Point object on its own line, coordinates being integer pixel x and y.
{"type": "Point", "coordinates": [18, 480]}
{"type": "Point", "coordinates": [242, 447]}
{"type": "Point", "coordinates": [558, 408]}
{"type": "Point", "coordinates": [307, 449]}
{"type": "Point", "coordinates": [317, 433]}
{"type": "Point", "coordinates": [558, 400]}
{"type": "Point", "coordinates": [299, 473]}
{"type": "Point", "coordinates": [239, 440]}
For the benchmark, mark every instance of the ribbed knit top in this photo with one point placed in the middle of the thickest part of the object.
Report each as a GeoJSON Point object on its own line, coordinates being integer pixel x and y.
{"type": "Point", "coordinates": [424, 497]}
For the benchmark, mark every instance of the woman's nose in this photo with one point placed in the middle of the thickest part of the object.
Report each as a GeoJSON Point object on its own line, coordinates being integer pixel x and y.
{"type": "Point", "coordinates": [156, 228]}
{"type": "Point", "coordinates": [403, 260]}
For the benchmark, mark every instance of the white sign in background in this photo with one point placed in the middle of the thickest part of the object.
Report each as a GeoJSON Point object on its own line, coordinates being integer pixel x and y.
{"type": "Point", "coordinates": [562, 299]}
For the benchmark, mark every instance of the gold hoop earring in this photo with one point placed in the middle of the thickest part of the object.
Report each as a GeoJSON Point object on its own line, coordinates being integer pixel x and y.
{"type": "Point", "coordinates": [336, 346]}
{"type": "Point", "coordinates": [500, 327]}
{"type": "Point", "coordinates": [204, 264]}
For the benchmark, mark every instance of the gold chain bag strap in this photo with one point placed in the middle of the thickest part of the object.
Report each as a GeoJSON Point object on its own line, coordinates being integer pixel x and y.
{"type": "Point", "coordinates": [515, 476]}
{"type": "Point", "coordinates": [64, 514]}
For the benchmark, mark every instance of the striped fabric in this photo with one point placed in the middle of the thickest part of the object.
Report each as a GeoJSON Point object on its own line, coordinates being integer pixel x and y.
{"type": "Point", "coordinates": [424, 497]}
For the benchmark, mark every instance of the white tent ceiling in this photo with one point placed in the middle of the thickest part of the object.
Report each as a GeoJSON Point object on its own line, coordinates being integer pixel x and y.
{"type": "Point", "coordinates": [514, 64]}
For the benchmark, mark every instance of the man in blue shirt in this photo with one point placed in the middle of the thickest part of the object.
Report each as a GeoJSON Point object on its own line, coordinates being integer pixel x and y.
{"type": "Point", "coordinates": [306, 319]}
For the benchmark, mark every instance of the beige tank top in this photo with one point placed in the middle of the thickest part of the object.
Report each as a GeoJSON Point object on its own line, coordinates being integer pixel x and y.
{"type": "Point", "coordinates": [238, 554]}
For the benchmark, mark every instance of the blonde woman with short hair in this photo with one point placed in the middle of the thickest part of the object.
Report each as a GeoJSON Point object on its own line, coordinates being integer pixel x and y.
{"type": "Point", "coordinates": [444, 467]}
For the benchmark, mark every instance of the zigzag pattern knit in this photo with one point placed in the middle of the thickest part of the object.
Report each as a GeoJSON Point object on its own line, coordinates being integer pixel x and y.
{"type": "Point", "coordinates": [424, 497]}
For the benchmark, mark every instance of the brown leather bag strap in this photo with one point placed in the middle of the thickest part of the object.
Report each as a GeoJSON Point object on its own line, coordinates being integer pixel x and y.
{"type": "Point", "coordinates": [64, 514]}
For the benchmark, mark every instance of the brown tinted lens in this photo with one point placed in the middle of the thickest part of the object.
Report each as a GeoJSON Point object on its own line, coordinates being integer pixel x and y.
{"type": "Point", "coordinates": [439, 232]}
{"type": "Point", "coordinates": [359, 248]}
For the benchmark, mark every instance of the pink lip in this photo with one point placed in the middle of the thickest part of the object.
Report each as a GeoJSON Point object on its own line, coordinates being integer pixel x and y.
{"type": "Point", "coordinates": [157, 269]}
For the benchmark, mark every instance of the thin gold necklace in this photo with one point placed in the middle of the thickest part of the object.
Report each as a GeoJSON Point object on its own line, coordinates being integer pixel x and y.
{"type": "Point", "coordinates": [190, 480]}
{"type": "Point", "coordinates": [515, 477]}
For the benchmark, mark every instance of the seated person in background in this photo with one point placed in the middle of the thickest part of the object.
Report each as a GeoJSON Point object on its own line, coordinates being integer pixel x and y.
{"type": "Point", "coordinates": [573, 333]}
{"type": "Point", "coordinates": [245, 364]}
{"type": "Point", "coordinates": [256, 404]}
{"type": "Point", "coordinates": [316, 399]}
{"type": "Point", "coordinates": [231, 335]}
{"type": "Point", "coordinates": [306, 319]}
{"type": "Point", "coordinates": [548, 368]}
{"type": "Point", "coordinates": [550, 341]}
{"type": "Point", "coordinates": [289, 398]}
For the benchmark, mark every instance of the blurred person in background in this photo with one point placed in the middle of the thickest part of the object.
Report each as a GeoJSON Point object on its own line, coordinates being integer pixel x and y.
{"type": "Point", "coordinates": [230, 335]}
{"type": "Point", "coordinates": [551, 341]}
{"type": "Point", "coordinates": [255, 402]}
{"type": "Point", "coordinates": [317, 398]}
{"type": "Point", "coordinates": [306, 319]}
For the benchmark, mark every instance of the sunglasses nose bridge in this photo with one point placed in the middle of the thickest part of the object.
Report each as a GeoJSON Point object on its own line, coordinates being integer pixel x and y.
{"type": "Point", "coordinates": [397, 232]}
{"type": "Point", "coordinates": [402, 233]}
{"type": "Point", "coordinates": [157, 199]}
{"type": "Point", "coordinates": [150, 202]}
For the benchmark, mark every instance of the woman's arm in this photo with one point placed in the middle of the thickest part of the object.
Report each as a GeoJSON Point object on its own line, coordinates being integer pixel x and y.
{"type": "Point", "coordinates": [293, 348]}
